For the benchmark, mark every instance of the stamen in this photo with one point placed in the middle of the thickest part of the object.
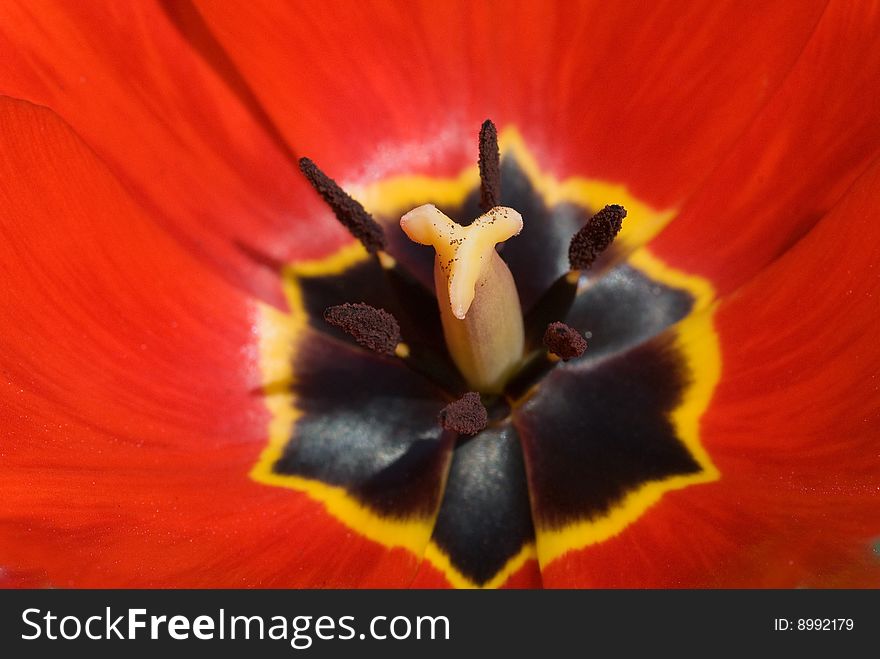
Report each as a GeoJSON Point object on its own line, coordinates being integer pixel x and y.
{"type": "Point", "coordinates": [466, 416]}
{"type": "Point", "coordinates": [564, 341]}
{"type": "Point", "coordinates": [595, 236]}
{"type": "Point", "coordinates": [554, 303]}
{"type": "Point", "coordinates": [373, 328]}
{"type": "Point", "coordinates": [348, 211]}
{"type": "Point", "coordinates": [586, 245]}
{"type": "Point", "coordinates": [490, 168]}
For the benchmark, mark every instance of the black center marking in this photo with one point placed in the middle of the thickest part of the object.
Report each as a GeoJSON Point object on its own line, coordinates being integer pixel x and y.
{"type": "Point", "coordinates": [593, 430]}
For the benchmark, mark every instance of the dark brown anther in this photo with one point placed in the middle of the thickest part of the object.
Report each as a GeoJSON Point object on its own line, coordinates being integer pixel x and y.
{"type": "Point", "coordinates": [490, 167]}
{"type": "Point", "coordinates": [595, 236]}
{"type": "Point", "coordinates": [466, 416]}
{"type": "Point", "coordinates": [372, 328]}
{"type": "Point", "coordinates": [348, 211]}
{"type": "Point", "coordinates": [564, 341]}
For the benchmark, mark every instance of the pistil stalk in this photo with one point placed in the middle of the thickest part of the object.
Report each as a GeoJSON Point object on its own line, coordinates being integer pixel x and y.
{"type": "Point", "coordinates": [476, 294]}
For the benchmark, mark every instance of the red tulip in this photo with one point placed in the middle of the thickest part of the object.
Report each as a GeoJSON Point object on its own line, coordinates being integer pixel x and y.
{"type": "Point", "coordinates": [155, 226]}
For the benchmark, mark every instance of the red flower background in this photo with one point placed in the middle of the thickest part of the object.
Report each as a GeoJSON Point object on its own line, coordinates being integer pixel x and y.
{"type": "Point", "coordinates": [147, 151]}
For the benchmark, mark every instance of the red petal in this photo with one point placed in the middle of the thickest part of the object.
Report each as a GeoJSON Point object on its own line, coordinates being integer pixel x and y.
{"type": "Point", "coordinates": [792, 428]}
{"type": "Point", "coordinates": [650, 95]}
{"type": "Point", "coordinates": [168, 127]}
{"type": "Point", "coordinates": [811, 141]}
{"type": "Point", "coordinates": [129, 429]}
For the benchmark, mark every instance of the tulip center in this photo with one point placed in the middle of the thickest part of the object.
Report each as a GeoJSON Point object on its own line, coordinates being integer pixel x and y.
{"type": "Point", "coordinates": [384, 409]}
{"type": "Point", "coordinates": [477, 297]}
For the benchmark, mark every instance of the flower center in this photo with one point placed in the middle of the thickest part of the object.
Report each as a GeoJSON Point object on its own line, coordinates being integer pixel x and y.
{"type": "Point", "coordinates": [477, 297]}
{"type": "Point", "coordinates": [569, 454]}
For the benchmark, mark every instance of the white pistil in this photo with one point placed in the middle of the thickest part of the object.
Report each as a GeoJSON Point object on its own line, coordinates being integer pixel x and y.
{"type": "Point", "coordinates": [479, 305]}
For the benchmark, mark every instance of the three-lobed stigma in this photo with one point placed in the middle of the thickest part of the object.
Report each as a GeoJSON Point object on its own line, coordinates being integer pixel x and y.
{"type": "Point", "coordinates": [463, 253]}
